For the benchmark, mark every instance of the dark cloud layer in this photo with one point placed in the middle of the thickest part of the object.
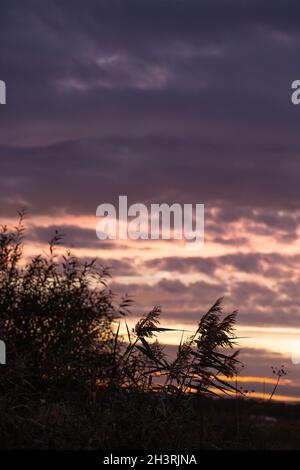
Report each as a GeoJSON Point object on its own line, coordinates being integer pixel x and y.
{"type": "Point", "coordinates": [157, 100]}
{"type": "Point", "coordinates": [257, 263]}
{"type": "Point", "coordinates": [164, 101]}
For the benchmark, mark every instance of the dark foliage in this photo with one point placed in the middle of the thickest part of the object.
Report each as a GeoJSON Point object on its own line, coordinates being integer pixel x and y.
{"type": "Point", "coordinates": [56, 314]}
{"type": "Point", "coordinates": [72, 380]}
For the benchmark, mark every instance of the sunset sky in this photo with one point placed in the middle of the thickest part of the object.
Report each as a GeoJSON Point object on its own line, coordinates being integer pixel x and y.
{"type": "Point", "coordinates": [182, 101]}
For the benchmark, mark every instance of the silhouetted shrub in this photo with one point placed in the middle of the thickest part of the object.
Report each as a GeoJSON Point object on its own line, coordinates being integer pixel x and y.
{"type": "Point", "coordinates": [56, 313]}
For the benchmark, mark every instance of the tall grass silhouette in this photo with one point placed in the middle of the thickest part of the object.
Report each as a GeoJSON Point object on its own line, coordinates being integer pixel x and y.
{"type": "Point", "coordinates": [58, 320]}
